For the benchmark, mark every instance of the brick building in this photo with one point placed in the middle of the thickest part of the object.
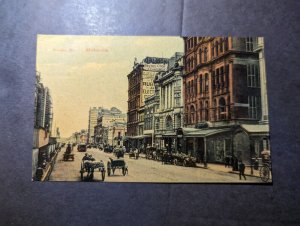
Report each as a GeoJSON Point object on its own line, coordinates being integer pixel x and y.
{"type": "Point", "coordinates": [140, 87]}
{"type": "Point", "coordinates": [222, 96]}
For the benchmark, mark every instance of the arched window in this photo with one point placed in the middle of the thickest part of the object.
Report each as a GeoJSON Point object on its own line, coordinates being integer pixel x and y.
{"type": "Point", "coordinates": [201, 84]}
{"type": "Point", "coordinates": [200, 56]}
{"type": "Point", "coordinates": [169, 123]}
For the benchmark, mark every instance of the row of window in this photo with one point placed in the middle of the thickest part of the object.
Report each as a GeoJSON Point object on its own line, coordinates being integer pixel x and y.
{"type": "Point", "coordinates": [218, 47]}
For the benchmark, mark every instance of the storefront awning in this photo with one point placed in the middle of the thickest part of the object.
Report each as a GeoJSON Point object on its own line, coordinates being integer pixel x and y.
{"type": "Point", "coordinates": [140, 136]}
{"type": "Point", "coordinates": [169, 134]}
{"type": "Point", "coordinates": [207, 132]}
{"type": "Point", "coordinates": [253, 130]}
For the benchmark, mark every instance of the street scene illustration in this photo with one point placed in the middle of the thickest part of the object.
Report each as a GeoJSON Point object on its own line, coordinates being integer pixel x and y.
{"type": "Point", "coordinates": [151, 109]}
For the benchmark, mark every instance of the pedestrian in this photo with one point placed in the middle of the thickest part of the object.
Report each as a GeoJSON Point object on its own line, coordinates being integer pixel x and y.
{"type": "Point", "coordinates": [227, 161]}
{"type": "Point", "coordinates": [241, 169]}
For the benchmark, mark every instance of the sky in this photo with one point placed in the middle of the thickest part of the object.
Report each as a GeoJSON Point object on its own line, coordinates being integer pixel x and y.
{"type": "Point", "coordinates": [91, 71]}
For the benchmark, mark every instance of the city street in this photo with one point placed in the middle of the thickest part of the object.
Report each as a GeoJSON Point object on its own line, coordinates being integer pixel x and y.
{"type": "Point", "coordinates": [142, 170]}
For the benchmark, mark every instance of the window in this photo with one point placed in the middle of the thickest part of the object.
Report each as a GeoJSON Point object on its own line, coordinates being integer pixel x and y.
{"type": "Point", "coordinates": [253, 102]}
{"type": "Point", "coordinates": [200, 56]}
{"type": "Point", "coordinates": [169, 123]}
{"type": "Point", "coordinates": [249, 44]}
{"type": "Point", "coordinates": [221, 46]}
{"type": "Point", "coordinates": [192, 88]}
{"type": "Point", "coordinates": [217, 48]}
{"type": "Point", "coordinates": [253, 79]}
{"type": "Point", "coordinates": [213, 77]}
{"type": "Point", "coordinates": [213, 51]}
{"type": "Point", "coordinates": [227, 76]}
{"type": "Point", "coordinates": [205, 54]}
{"type": "Point", "coordinates": [192, 114]}
{"type": "Point", "coordinates": [201, 85]}
{"type": "Point", "coordinates": [222, 76]}
{"type": "Point", "coordinates": [222, 108]}
{"type": "Point", "coordinates": [217, 78]}
{"type": "Point", "coordinates": [206, 82]}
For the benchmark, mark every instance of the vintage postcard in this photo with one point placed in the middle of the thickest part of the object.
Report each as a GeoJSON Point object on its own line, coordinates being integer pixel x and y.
{"type": "Point", "coordinates": [151, 109]}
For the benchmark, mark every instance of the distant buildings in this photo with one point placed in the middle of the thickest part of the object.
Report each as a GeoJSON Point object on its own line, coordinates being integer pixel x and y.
{"type": "Point", "coordinates": [93, 115]}
{"type": "Point", "coordinates": [111, 126]}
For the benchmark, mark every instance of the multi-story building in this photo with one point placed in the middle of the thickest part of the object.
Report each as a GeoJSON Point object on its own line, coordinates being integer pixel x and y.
{"type": "Point", "coordinates": [106, 121]}
{"type": "Point", "coordinates": [93, 115]}
{"type": "Point", "coordinates": [169, 112]}
{"type": "Point", "coordinates": [222, 98]}
{"type": "Point", "coordinates": [259, 48]}
{"type": "Point", "coordinates": [140, 87]}
{"type": "Point", "coordinates": [43, 116]}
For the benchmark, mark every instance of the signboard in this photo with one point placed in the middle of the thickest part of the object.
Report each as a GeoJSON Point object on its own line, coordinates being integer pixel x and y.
{"type": "Point", "coordinates": [147, 85]}
{"type": "Point", "coordinates": [155, 67]}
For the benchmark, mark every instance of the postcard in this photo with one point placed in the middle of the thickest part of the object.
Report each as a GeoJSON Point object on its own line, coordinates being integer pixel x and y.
{"type": "Point", "coordinates": [151, 109]}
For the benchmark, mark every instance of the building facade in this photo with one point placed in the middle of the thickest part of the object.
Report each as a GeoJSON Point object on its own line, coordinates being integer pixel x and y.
{"type": "Point", "coordinates": [169, 111]}
{"type": "Point", "coordinates": [93, 115]}
{"type": "Point", "coordinates": [222, 98]}
{"type": "Point", "coordinates": [111, 123]}
{"type": "Point", "coordinates": [140, 87]}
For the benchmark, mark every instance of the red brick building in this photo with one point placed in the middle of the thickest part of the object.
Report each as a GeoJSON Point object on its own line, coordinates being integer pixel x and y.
{"type": "Point", "coordinates": [221, 91]}
{"type": "Point", "coordinates": [221, 80]}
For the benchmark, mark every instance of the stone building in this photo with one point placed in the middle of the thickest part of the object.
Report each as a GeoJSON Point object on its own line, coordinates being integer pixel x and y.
{"type": "Point", "coordinates": [222, 98]}
{"type": "Point", "coordinates": [169, 110]}
{"type": "Point", "coordinates": [109, 122]}
{"type": "Point", "coordinates": [93, 115]}
{"type": "Point", "coordinates": [140, 87]}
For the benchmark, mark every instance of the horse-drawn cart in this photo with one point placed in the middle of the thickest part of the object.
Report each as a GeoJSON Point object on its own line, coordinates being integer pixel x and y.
{"type": "Point", "coordinates": [88, 165]}
{"type": "Point", "coordinates": [182, 159]}
{"type": "Point", "coordinates": [114, 164]}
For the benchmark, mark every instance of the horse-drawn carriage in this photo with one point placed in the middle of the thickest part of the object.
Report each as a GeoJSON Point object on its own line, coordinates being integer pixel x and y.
{"type": "Point", "coordinates": [134, 154]}
{"type": "Point", "coordinates": [119, 153]}
{"type": "Point", "coordinates": [184, 160]}
{"type": "Point", "coordinates": [67, 154]}
{"type": "Point", "coordinates": [114, 164]}
{"type": "Point", "coordinates": [167, 157]}
{"type": "Point", "coordinates": [89, 164]}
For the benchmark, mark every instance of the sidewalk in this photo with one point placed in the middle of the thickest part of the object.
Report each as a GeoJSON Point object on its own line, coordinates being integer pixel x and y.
{"type": "Point", "coordinates": [222, 168]}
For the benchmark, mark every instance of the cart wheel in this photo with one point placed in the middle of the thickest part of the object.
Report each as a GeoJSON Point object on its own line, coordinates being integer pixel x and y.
{"type": "Point", "coordinates": [103, 175]}
{"type": "Point", "coordinates": [124, 171]}
{"type": "Point", "coordinates": [264, 173]}
{"type": "Point", "coordinates": [91, 176]}
{"type": "Point", "coordinates": [81, 174]}
{"type": "Point", "coordinates": [108, 171]}
{"type": "Point", "coordinates": [175, 162]}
